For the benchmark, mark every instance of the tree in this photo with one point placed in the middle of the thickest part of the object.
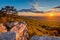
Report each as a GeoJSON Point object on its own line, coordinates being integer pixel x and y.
{"type": "Point", "coordinates": [7, 10]}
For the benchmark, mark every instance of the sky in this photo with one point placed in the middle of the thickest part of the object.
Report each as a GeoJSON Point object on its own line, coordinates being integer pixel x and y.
{"type": "Point", "coordinates": [41, 5]}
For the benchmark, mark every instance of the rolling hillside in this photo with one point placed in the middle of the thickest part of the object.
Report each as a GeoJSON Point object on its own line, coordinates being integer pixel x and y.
{"type": "Point", "coordinates": [35, 26]}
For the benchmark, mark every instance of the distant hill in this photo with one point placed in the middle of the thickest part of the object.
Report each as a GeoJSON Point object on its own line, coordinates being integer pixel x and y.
{"type": "Point", "coordinates": [30, 10]}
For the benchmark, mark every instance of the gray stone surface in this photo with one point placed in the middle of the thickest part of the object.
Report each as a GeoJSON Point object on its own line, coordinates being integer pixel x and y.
{"type": "Point", "coordinates": [7, 36]}
{"type": "Point", "coordinates": [44, 38]}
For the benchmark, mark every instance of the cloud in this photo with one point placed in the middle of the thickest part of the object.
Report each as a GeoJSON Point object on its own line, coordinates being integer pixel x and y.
{"type": "Point", "coordinates": [56, 9]}
{"type": "Point", "coordinates": [35, 5]}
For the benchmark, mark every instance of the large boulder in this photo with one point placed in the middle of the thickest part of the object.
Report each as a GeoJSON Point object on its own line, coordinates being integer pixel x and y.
{"type": "Point", "coordinates": [8, 36]}
{"type": "Point", "coordinates": [44, 38]}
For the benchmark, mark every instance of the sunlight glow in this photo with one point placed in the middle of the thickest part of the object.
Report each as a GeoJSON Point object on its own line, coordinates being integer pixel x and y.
{"type": "Point", "coordinates": [51, 14]}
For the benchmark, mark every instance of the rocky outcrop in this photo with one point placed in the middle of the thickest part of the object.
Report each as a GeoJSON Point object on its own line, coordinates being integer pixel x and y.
{"type": "Point", "coordinates": [44, 38]}
{"type": "Point", "coordinates": [14, 27]}
{"type": "Point", "coordinates": [8, 36]}
{"type": "Point", "coordinates": [21, 31]}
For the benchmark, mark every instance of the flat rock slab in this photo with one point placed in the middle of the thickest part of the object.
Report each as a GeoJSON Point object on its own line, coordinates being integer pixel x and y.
{"type": "Point", "coordinates": [44, 38]}
{"type": "Point", "coordinates": [7, 36]}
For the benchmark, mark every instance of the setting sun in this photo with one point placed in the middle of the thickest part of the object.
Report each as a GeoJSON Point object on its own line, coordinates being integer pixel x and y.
{"type": "Point", "coordinates": [51, 14]}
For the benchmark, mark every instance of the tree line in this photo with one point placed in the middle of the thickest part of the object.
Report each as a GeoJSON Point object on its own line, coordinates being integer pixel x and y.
{"type": "Point", "coordinates": [8, 10]}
